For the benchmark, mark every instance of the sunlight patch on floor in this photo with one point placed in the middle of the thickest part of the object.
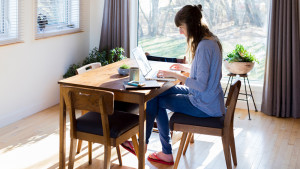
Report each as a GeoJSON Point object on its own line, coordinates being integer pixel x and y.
{"type": "Point", "coordinates": [216, 149]}
{"type": "Point", "coordinates": [29, 154]}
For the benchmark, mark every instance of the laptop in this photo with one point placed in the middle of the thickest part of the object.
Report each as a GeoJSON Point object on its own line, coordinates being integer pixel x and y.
{"type": "Point", "coordinates": [145, 67]}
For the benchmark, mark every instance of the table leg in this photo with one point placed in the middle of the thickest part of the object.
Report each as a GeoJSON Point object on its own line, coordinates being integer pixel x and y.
{"type": "Point", "coordinates": [142, 133]}
{"type": "Point", "coordinates": [62, 131]}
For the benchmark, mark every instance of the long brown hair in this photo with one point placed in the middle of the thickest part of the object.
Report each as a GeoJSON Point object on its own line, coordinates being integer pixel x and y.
{"type": "Point", "coordinates": [191, 15]}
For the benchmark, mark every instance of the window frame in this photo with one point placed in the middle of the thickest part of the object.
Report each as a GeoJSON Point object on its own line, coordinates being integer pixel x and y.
{"type": "Point", "coordinates": [63, 31]}
{"type": "Point", "coordinates": [134, 18]}
{"type": "Point", "coordinates": [2, 16]}
{"type": "Point", "coordinates": [7, 34]}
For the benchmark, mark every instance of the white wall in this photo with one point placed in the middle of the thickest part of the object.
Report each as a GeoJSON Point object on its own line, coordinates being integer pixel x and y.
{"type": "Point", "coordinates": [29, 71]}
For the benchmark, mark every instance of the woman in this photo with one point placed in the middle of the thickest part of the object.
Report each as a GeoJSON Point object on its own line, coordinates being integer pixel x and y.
{"type": "Point", "coordinates": [201, 95]}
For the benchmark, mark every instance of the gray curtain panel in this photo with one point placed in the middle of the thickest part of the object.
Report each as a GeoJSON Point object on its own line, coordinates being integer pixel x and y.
{"type": "Point", "coordinates": [281, 94]}
{"type": "Point", "coordinates": [115, 25]}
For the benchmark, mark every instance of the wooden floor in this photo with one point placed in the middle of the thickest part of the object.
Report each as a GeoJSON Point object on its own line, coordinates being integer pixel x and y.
{"type": "Point", "coordinates": [262, 143]}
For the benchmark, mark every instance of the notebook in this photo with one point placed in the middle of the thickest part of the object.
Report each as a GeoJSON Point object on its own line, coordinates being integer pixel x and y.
{"type": "Point", "coordinates": [149, 84]}
{"type": "Point", "coordinates": [145, 67]}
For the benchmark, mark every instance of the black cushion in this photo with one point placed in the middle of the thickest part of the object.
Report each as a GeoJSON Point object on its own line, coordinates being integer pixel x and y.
{"type": "Point", "coordinates": [126, 107]}
{"type": "Point", "coordinates": [214, 122]}
{"type": "Point", "coordinates": [119, 123]}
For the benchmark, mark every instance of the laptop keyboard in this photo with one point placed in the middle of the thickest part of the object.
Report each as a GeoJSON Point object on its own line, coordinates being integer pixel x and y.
{"type": "Point", "coordinates": [152, 73]}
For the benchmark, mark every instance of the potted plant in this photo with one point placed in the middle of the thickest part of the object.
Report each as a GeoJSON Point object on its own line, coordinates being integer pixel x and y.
{"type": "Point", "coordinates": [42, 21]}
{"type": "Point", "coordinates": [124, 70]}
{"type": "Point", "coordinates": [105, 57]}
{"type": "Point", "coordinates": [239, 61]}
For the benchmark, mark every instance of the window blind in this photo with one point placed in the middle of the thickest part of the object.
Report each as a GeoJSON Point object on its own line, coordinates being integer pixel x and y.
{"type": "Point", "coordinates": [9, 21]}
{"type": "Point", "coordinates": [56, 17]}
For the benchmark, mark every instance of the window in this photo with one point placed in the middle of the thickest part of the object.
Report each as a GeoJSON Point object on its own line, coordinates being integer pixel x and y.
{"type": "Point", "coordinates": [9, 24]}
{"type": "Point", "coordinates": [56, 17]}
{"type": "Point", "coordinates": [233, 21]}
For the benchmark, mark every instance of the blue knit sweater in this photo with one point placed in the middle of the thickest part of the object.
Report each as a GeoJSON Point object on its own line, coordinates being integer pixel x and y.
{"type": "Point", "coordinates": [204, 82]}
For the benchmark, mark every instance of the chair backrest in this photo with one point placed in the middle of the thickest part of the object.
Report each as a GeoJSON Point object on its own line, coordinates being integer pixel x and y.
{"type": "Point", "coordinates": [164, 59]}
{"type": "Point", "coordinates": [88, 67]}
{"type": "Point", "coordinates": [90, 100]}
{"type": "Point", "coordinates": [231, 103]}
{"type": "Point", "coordinates": [181, 60]}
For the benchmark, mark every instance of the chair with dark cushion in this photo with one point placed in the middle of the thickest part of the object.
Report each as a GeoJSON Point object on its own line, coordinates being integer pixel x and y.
{"type": "Point", "coordinates": [122, 106]}
{"type": "Point", "coordinates": [216, 126]}
{"type": "Point", "coordinates": [101, 124]}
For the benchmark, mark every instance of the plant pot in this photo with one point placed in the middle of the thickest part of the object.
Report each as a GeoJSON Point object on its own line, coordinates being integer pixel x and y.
{"type": "Point", "coordinates": [123, 72]}
{"type": "Point", "coordinates": [239, 67]}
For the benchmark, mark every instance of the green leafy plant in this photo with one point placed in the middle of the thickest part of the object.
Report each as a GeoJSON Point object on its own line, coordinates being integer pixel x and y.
{"type": "Point", "coordinates": [96, 56]}
{"type": "Point", "coordinates": [105, 57]}
{"type": "Point", "coordinates": [116, 54]}
{"type": "Point", "coordinates": [71, 70]}
{"type": "Point", "coordinates": [124, 66]}
{"type": "Point", "coordinates": [240, 54]}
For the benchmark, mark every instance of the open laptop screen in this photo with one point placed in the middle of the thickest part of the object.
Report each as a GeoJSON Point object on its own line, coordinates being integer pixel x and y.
{"type": "Point", "coordinates": [141, 60]}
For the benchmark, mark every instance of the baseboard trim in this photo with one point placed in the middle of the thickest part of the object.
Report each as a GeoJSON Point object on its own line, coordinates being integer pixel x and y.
{"type": "Point", "coordinates": [23, 113]}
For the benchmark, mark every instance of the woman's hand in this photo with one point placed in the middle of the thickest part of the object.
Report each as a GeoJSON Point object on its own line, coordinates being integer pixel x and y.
{"type": "Point", "coordinates": [165, 73]}
{"type": "Point", "coordinates": [179, 67]}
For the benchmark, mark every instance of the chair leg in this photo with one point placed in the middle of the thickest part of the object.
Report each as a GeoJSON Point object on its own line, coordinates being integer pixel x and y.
{"type": "Point", "coordinates": [227, 85]}
{"type": "Point", "coordinates": [79, 146]}
{"type": "Point", "coordinates": [119, 155]}
{"type": "Point", "coordinates": [225, 141]}
{"type": "Point", "coordinates": [135, 145]}
{"type": "Point", "coordinates": [180, 150]}
{"type": "Point", "coordinates": [107, 155]}
{"type": "Point", "coordinates": [90, 144]}
{"type": "Point", "coordinates": [246, 94]}
{"type": "Point", "coordinates": [192, 138]}
{"type": "Point", "coordinates": [187, 142]}
{"type": "Point", "coordinates": [232, 147]}
{"type": "Point", "coordinates": [80, 141]}
{"type": "Point", "coordinates": [252, 95]}
{"type": "Point", "coordinates": [72, 152]}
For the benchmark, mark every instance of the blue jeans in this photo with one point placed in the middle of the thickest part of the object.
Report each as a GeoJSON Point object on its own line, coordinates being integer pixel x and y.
{"type": "Point", "coordinates": [175, 99]}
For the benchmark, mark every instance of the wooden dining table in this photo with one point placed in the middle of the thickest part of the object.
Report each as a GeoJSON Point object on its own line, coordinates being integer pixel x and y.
{"type": "Point", "coordinates": [107, 78]}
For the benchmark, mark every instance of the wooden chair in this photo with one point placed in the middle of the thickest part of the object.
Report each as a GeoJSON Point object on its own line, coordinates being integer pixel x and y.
{"type": "Point", "coordinates": [88, 67]}
{"type": "Point", "coordinates": [164, 59]}
{"type": "Point", "coordinates": [217, 126]}
{"type": "Point", "coordinates": [102, 124]}
{"type": "Point", "coordinates": [127, 107]}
